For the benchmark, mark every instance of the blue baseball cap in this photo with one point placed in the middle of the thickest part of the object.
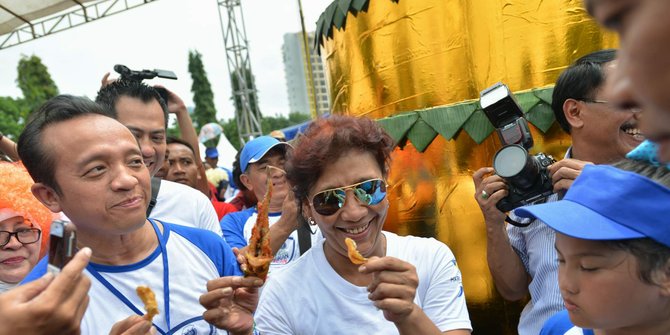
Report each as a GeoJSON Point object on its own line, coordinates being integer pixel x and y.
{"type": "Point", "coordinates": [255, 149]}
{"type": "Point", "coordinates": [211, 153]}
{"type": "Point", "coordinates": [606, 203]}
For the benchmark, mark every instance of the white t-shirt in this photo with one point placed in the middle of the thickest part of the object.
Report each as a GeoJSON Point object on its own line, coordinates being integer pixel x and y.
{"type": "Point", "coordinates": [186, 206]}
{"type": "Point", "coordinates": [194, 257]}
{"type": "Point", "coordinates": [309, 297]}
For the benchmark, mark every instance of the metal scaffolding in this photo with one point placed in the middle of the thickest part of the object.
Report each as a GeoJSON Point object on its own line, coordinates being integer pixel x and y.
{"type": "Point", "coordinates": [243, 88]}
{"type": "Point", "coordinates": [84, 13]}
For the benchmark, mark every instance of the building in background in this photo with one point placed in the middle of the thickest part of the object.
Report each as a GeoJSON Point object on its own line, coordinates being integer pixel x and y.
{"type": "Point", "coordinates": [297, 77]}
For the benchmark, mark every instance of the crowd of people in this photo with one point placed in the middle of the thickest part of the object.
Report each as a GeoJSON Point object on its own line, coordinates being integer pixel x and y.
{"type": "Point", "coordinates": [593, 259]}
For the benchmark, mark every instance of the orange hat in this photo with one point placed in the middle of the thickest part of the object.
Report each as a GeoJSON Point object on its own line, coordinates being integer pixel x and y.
{"type": "Point", "coordinates": [15, 184]}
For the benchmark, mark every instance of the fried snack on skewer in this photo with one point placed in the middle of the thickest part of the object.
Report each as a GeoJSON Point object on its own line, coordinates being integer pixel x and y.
{"type": "Point", "coordinates": [354, 256]}
{"type": "Point", "coordinates": [259, 254]}
{"type": "Point", "coordinates": [149, 299]}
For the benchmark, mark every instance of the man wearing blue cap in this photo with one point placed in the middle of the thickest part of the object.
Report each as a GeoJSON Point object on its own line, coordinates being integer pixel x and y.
{"type": "Point", "coordinates": [613, 244]}
{"type": "Point", "coordinates": [260, 159]}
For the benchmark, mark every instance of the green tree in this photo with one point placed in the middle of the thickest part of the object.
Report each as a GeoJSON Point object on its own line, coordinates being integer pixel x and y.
{"type": "Point", "coordinates": [230, 130]}
{"type": "Point", "coordinates": [35, 82]}
{"type": "Point", "coordinates": [36, 85]}
{"type": "Point", "coordinates": [13, 113]}
{"type": "Point", "coordinates": [203, 97]}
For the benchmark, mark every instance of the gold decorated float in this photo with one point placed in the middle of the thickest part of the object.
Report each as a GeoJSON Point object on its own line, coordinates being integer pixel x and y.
{"type": "Point", "coordinates": [418, 67]}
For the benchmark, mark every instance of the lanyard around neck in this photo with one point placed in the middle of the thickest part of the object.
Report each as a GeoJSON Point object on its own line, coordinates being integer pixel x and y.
{"type": "Point", "coordinates": [166, 283]}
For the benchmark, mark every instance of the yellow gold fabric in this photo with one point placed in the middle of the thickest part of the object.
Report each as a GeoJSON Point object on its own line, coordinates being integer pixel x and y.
{"type": "Point", "coordinates": [415, 54]}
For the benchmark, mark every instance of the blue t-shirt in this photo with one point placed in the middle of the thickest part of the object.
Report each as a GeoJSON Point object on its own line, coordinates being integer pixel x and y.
{"type": "Point", "coordinates": [237, 228]}
{"type": "Point", "coordinates": [560, 324]}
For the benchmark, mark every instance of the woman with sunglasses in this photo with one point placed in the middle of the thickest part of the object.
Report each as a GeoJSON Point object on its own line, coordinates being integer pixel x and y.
{"type": "Point", "coordinates": [409, 285]}
{"type": "Point", "coordinates": [23, 223]}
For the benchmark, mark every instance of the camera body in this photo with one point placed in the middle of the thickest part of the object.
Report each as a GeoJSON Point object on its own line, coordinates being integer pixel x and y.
{"type": "Point", "coordinates": [527, 177]}
{"type": "Point", "coordinates": [62, 244]}
{"type": "Point", "coordinates": [137, 76]}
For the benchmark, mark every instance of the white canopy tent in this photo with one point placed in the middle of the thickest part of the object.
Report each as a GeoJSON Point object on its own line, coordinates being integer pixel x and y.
{"type": "Point", "coordinates": [25, 20]}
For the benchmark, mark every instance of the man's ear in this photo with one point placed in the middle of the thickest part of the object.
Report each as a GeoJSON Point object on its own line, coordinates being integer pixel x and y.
{"type": "Point", "coordinates": [244, 178]}
{"type": "Point", "coordinates": [47, 196]}
{"type": "Point", "coordinates": [662, 278]}
{"type": "Point", "coordinates": [572, 109]}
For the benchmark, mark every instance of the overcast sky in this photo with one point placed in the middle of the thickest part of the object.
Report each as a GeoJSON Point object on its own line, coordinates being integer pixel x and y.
{"type": "Point", "coordinates": [159, 35]}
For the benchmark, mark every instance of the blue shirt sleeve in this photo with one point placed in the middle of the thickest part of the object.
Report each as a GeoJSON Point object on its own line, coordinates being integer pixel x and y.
{"type": "Point", "coordinates": [213, 246]}
{"type": "Point", "coordinates": [232, 226]}
{"type": "Point", "coordinates": [37, 272]}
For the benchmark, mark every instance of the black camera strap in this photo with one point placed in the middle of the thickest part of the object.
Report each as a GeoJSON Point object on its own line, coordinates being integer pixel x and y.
{"type": "Point", "coordinates": [517, 223]}
{"type": "Point", "coordinates": [155, 187]}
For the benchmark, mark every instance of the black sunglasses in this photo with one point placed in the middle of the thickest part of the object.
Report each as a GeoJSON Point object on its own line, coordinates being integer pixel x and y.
{"type": "Point", "coordinates": [369, 192]}
{"type": "Point", "coordinates": [25, 236]}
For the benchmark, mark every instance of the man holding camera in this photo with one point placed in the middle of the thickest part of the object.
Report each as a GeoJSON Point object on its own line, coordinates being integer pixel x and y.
{"type": "Point", "coordinates": [522, 260]}
{"type": "Point", "coordinates": [142, 110]}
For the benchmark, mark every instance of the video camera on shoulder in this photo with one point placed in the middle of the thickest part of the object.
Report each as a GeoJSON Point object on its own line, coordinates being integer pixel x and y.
{"type": "Point", "coordinates": [527, 177]}
{"type": "Point", "coordinates": [137, 76]}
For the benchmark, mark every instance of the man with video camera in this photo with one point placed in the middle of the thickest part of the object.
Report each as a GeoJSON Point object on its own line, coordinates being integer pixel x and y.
{"type": "Point", "coordinates": [144, 110]}
{"type": "Point", "coordinates": [522, 258]}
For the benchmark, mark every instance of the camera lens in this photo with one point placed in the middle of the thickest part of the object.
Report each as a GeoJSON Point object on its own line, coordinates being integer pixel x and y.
{"type": "Point", "coordinates": [513, 163]}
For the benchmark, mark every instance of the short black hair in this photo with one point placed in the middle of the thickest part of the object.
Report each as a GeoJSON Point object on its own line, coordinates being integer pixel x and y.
{"type": "Point", "coordinates": [172, 139]}
{"type": "Point", "coordinates": [237, 172]}
{"type": "Point", "coordinates": [109, 95]}
{"type": "Point", "coordinates": [40, 163]}
{"type": "Point", "coordinates": [580, 81]}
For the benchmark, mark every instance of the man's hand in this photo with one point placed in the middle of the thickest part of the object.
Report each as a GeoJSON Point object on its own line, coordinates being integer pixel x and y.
{"type": "Point", "coordinates": [49, 305]}
{"type": "Point", "coordinates": [393, 286]}
{"type": "Point", "coordinates": [175, 104]}
{"type": "Point", "coordinates": [289, 213]}
{"type": "Point", "coordinates": [240, 255]}
{"type": "Point", "coordinates": [133, 325]}
{"type": "Point", "coordinates": [564, 172]}
{"type": "Point", "coordinates": [230, 303]}
{"type": "Point", "coordinates": [489, 189]}
{"type": "Point", "coordinates": [106, 81]}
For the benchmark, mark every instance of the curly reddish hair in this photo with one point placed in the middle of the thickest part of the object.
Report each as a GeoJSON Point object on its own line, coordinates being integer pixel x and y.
{"type": "Point", "coordinates": [15, 183]}
{"type": "Point", "coordinates": [325, 140]}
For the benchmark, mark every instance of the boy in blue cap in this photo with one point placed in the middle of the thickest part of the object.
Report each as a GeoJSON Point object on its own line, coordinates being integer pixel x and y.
{"type": "Point", "coordinates": [260, 159]}
{"type": "Point", "coordinates": [613, 244]}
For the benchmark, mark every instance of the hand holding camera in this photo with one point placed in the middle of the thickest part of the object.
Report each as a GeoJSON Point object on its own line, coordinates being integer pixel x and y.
{"type": "Point", "coordinates": [526, 176]}
{"type": "Point", "coordinates": [564, 172]}
{"type": "Point", "coordinates": [489, 189]}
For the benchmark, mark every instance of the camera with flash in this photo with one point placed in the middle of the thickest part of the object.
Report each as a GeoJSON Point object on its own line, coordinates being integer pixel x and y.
{"type": "Point", "coordinates": [527, 177]}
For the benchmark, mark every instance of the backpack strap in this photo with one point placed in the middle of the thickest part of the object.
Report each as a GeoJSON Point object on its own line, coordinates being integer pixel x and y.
{"type": "Point", "coordinates": [155, 187]}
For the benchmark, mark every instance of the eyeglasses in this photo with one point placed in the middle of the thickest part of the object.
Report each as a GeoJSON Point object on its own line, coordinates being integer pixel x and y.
{"type": "Point", "coordinates": [25, 236]}
{"type": "Point", "coordinates": [369, 192]}
{"type": "Point", "coordinates": [611, 105]}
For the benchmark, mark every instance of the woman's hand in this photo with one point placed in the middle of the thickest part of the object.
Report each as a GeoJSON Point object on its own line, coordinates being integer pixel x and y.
{"type": "Point", "coordinates": [393, 286]}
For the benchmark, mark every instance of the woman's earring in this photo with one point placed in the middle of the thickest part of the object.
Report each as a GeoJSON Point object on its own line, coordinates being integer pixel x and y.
{"type": "Point", "coordinates": [311, 222]}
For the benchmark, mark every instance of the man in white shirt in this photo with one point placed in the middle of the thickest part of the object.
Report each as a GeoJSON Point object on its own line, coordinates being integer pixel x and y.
{"type": "Point", "coordinates": [141, 109]}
